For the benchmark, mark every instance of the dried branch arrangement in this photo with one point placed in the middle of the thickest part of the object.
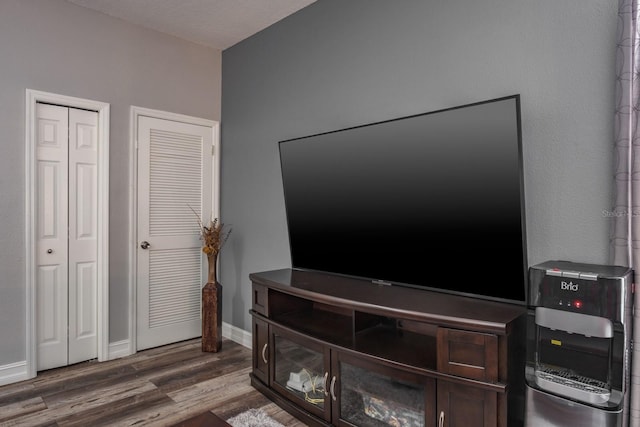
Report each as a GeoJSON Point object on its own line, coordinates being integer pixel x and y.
{"type": "Point", "coordinates": [213, 235]}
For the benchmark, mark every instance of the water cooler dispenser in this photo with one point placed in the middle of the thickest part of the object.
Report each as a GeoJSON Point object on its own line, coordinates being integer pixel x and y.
{"type": "Point", "coordinates": [578, 345]}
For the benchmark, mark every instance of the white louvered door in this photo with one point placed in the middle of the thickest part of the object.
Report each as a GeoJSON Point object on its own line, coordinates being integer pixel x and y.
{"type": "Point", "coordinates": [174, 177]}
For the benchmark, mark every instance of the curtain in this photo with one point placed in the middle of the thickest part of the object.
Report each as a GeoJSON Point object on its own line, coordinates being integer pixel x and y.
{"type": "Point", "coordinates": [625, 235]}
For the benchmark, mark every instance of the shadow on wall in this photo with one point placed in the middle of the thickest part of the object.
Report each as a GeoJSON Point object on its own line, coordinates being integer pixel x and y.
{"type": "Point", "coordinates": [238, 305]}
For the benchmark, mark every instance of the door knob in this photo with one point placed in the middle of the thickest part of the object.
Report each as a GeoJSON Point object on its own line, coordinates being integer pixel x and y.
{"type": "Point", "coordinates": [49, 251]}
{"type": "Point", "coordinates": [145, 244]}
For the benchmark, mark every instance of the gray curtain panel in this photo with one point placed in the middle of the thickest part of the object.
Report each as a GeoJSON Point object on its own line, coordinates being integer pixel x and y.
{"type": "Point", "coordinates": [625, 214]}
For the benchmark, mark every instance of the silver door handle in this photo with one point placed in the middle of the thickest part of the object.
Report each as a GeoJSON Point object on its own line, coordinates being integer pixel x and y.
{"type": "Point", "coordinates": [441, 419]}
{"type": "Point", "coordinates": [145, 245]}
{"type": "Point", "coordinates": [264, 350]}
{"type": "Point", "coordinates": [324, 384]}
{"type": "Point", "coordinates": [333, 388]}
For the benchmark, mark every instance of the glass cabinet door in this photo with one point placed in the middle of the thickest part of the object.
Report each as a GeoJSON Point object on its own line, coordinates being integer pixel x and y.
{"type": "Point", "coordinates": [300, 371]}
{"type": "Point", "coordinates": [373, 395]}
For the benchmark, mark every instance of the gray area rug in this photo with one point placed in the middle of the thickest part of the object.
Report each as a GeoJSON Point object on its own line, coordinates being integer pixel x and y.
{"type": "Point", "coordinates": [253, 418]}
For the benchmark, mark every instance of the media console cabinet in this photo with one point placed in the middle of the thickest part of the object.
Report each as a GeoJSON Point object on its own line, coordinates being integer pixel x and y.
{"type": "Point", "coordinates": [340, 351]}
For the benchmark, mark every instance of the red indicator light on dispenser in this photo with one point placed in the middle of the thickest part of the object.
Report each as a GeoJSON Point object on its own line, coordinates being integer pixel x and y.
{"type": "Point", "coordinates": [577, 303]}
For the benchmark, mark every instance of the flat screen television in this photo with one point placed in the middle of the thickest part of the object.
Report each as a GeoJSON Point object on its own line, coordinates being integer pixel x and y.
{"type": "Point", "coordinates": [432, 200]}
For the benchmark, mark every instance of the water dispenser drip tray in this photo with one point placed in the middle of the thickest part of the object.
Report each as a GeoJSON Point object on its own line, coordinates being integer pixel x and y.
{"type": "Point", "coordinates": [565, 382]}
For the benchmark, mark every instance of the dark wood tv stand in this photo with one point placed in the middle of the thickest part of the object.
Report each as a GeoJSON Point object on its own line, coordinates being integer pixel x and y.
{"type": "Point", "coordinates": [340, 351]}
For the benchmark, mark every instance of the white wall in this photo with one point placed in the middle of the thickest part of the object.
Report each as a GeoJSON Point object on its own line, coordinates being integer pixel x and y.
{"type": "Point", "coordinates": [55, 46]}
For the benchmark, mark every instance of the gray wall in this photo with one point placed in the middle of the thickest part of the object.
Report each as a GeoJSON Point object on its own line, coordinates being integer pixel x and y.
{"type": "Point", "coordinates": [55, 46]}
{"type": "Point", "coordinates": [342, 63]}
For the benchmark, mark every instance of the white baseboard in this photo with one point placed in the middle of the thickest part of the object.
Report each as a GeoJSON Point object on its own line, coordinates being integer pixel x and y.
{"type": "Point", "coordinates": [13, 372]}
{"type": "Point", "coordinates": [123, 348]}
{"type": "Point", "coordinates": [238, 335]}
{"type": "Point", "coordinates": [119, 349]}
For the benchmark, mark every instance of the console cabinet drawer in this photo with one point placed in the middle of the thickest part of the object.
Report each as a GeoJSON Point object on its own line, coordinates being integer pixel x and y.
{"type": "Point", "coordinates": [468, 354]}
{"type": "Point", "coordinates": [260, 299]}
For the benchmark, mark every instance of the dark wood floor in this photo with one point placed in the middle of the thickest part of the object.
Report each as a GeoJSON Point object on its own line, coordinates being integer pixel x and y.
{"type": "Point", "coordinates": [158, 387]}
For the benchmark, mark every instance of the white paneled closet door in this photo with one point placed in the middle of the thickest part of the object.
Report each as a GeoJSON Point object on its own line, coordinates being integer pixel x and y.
{"type": "Point", "coordinates": [66, 280]}
{"type": "Point", "coordinates": [174, 177]}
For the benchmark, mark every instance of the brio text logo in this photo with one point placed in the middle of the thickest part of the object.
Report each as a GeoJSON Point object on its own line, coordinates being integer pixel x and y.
{"type": "Point", "coordinates": [568, 286]}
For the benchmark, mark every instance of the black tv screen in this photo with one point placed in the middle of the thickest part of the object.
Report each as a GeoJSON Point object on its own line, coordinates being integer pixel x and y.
{"type": "Point", "coordinates": [432, 200]}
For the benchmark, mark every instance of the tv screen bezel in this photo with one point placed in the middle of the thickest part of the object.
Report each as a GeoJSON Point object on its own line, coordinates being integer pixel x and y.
{"type": "Point", "coordinates": [480, 295]}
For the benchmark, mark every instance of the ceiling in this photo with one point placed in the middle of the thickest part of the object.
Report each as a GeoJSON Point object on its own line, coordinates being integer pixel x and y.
{"type": "Point", "coordinates": [218, 24]}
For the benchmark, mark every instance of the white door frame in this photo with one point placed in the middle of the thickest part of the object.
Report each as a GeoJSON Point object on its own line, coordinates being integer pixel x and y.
{"type": "Point", "coordinates": [133, 219]}
{"type": "Point", "coordinates": [103, 110]}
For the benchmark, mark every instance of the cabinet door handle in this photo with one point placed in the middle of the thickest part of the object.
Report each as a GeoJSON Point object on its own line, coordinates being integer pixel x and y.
{"type": "Point", "coordinates": [324, 383]}
{"type": "Point", "coordinates": [441, 419]}
{"type": "Point", "coordinates": [333, 385]}
{"type": "Point", "coordinates": [264, 350]}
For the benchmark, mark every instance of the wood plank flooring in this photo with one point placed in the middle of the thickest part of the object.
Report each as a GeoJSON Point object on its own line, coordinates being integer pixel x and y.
{"type": "Point", "coordinates": [158, 387]}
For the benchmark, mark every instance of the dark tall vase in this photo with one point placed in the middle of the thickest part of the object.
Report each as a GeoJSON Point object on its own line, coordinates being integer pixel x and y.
{"type": "Point", "coordinates": [212, 309]}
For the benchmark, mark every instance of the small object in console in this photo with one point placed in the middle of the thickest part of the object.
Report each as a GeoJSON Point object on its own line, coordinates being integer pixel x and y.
{"type": "Point", "coordinates": [301, 381]}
